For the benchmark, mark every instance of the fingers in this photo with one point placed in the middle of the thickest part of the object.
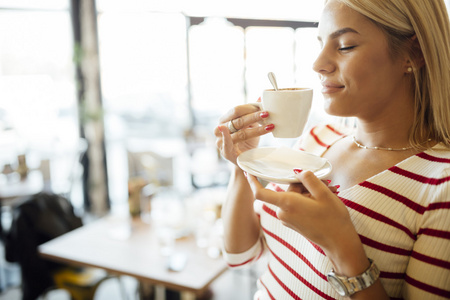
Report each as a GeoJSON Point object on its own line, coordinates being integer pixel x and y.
{"type": "Point", "coordinates": [237, 112]}
{"type": "Point", "coordinates": [261, 193]}
{"type": "Point", "coordinates": [227, 141]}
{"type": "Point", "coordinates": [244, 134]}
{"type": "Point", "coordinates": [300, 188]}
{"type": "Point", "coordinates": [314, 185]}
{"type": "Point", "coordinates": [225, 145]}
{"type": "Point", "coordinates": [297, 188]}
{"type": "Point", "coordinates": [243, 116]}
{"type": "Point", "coordinates": [252, 132]}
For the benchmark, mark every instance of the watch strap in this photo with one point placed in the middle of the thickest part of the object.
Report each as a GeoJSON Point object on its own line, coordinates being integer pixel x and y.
{"type": "Point", "coordinates": [360, 282]}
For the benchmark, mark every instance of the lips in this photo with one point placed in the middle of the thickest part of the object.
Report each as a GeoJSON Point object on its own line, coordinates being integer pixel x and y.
{"type": "Point", "coordinates": [329, 87]}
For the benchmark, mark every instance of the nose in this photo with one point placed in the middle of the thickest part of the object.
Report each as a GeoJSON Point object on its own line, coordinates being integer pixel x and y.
{"type": "Point", "coordinates": [323, 63]}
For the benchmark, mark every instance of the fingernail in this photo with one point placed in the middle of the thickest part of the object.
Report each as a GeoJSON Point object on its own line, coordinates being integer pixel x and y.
{"type": "Point", "coordinates": [269, 127]}
{"type": "Point", "coordinates": [220, 129]}
{"type": "Point", "coordinates": [264, 114]}
{"type": "Point", "coordinates": [297, 171]}
{"type": "Point", "coordinates": [259, 99]}
{"type": "Point", "coordinates": [337, 186]}
{"type": "Point", "coordinates": [329, 181]}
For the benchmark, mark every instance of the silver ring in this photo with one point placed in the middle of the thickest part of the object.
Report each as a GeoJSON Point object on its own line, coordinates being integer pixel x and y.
{"type": "Point", "coordinates": [231, 126]}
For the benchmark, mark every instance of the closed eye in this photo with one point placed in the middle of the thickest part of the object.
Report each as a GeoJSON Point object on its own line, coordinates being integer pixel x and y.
{"type": "Point", "coordinates": [346, 48]}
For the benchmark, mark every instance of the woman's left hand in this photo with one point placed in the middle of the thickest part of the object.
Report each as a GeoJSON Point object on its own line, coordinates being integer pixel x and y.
{"type": "Point", "coordinates": [310, 208]}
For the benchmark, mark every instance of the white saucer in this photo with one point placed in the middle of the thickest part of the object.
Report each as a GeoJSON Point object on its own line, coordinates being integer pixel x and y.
{"type": "Point", "coordinates": [277, 164]}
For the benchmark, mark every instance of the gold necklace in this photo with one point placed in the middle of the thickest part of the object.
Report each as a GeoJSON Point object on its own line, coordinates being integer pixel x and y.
{"type": "Point", "coordinates": [380, 148]}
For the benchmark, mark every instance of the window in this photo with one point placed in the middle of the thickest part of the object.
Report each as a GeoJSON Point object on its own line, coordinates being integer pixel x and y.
{"type": "Point", "coordinates": [38, 107]}
{"type": "Point", "coordinates": [166, 81]}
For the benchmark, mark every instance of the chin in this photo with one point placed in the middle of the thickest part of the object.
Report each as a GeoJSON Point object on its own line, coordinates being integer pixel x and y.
{"type": "Point", "coordinates": [336, 110]}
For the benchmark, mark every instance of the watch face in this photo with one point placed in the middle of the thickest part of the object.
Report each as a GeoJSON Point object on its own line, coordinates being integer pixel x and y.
{"type": "Point", "coordinates": [338, 286]}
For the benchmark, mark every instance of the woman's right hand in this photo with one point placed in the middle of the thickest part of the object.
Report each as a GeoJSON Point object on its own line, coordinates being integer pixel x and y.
{"type": "Point", "coordinates": [245, 119]}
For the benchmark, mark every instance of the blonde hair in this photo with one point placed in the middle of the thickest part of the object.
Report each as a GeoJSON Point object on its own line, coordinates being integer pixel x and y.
{"type": "Point", "coordinates": [428, 20]}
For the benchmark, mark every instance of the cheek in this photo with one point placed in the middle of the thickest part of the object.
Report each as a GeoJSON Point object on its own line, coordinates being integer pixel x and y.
{"type": "Point", "coordinates": [368, 77]}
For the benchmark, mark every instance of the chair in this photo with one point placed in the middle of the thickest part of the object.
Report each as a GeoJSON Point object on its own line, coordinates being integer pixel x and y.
{"type": "Point", "coordinates": [81, 283]}
{"type": "Point", "coordinates": [37, 220]}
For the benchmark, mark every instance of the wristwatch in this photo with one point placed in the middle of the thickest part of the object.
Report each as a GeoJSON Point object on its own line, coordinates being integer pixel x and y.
{"type": "Point", "coordinates": [347, 286]}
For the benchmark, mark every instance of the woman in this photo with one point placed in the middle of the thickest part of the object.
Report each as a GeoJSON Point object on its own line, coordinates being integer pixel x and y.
{"type": "Point", "coordinates": [387, 64]}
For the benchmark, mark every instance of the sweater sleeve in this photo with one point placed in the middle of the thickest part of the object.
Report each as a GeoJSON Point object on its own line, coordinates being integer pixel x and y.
{"type": "Point", "coordinates": [428, 271]}
{"type": "Point", "coordinates": [237, 260]}
{"type": "Point", "coordinates": [243, 259]}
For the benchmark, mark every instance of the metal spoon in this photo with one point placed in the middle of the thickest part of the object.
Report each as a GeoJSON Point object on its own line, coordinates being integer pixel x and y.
{"type": "Point", "coordinates": [273, 81]}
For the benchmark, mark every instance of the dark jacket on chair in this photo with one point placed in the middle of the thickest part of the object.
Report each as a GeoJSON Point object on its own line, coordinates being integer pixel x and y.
{"type": "Point", "coordinates": [36, 221]}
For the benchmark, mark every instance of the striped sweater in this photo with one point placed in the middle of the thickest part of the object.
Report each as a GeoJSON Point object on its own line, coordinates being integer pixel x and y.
{"type": "Point", "coordinates": [402, 216]}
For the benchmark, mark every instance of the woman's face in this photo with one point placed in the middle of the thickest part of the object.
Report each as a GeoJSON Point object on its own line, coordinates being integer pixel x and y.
{"type": "Point", "coordinates": [359, 76]}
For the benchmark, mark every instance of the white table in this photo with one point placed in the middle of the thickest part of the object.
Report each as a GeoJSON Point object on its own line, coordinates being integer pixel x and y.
{"type": "Point", "coordinates": [122, 246]}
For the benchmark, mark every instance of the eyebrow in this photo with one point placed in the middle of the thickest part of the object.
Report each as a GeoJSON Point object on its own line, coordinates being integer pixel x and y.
{"type": "Point", "coordinates": [340, 32]}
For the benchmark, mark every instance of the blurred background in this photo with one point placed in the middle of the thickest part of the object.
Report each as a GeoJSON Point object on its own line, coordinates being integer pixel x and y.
{"type": "Point", "coordinates": [103, 98]}
{"type": "Point", "coordinates": [139, 76]}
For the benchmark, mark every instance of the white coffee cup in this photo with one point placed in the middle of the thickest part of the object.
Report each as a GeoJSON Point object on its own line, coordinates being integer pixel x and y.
{"type": "Point", "coordinates": [288, 110]}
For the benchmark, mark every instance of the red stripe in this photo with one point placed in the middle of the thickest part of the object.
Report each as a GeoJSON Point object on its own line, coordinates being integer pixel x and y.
{"type": "Point", "coordinates": [300, 278]}
{"type": "Point", "coordinates": [334, 130]}
{"type": "Point", "coordinates": [262, 249]}
{"type": "Point", "coordinates": [290, 292]}
{"type": "Point", "coordinates": [392, 275]}
{"type": "Point", "coordinates": [391, 194]}
{"type": "Point", "coordinates": [270, 295]}
{"type": "Point", "coordinates": [317, 139]}
{"type": "Point", "coordinates": [251, 259]}
{"type": "Point", "coordinates": [276, 187]}
{"type": "Point", "coordinates": [419, 178]}
{"type": "Point", "coordinates": [433, 158]}
{"type": "Point", "coordinates": [384, 247]}
{"type": "Point", "coordinates": [270, 211]}
{"type": "Point", "coordinates": [274, 214]}
{"type": "Point", "coordinates": [434, 232]}
{"type": "Point", "coordinates": [431, 260]}
{"type": "Point", "coordinates": [317, 248]}
{"type": "Point", "coordinates": [427, 287]}
{"type": "Point", "coordinates": [241, 264]}
{"type": "Point", "coordinates": [439, 205]}
{"type": "Point", "coordinates": [377, 216]}
{"type": "Point", "coordinates": [295, 251]}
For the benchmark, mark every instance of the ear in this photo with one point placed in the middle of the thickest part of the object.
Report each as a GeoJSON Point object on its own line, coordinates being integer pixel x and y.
{"type": "Point", "coordinates": [416, 59]}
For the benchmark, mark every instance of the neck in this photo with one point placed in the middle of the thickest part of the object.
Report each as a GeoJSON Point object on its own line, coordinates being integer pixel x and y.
{"type": "Point", "coordinates": [386, 136]}
{"type": "Point", "coordinates": [390, 126]}
{"type": "Point", "coordinates": [391, 130]}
